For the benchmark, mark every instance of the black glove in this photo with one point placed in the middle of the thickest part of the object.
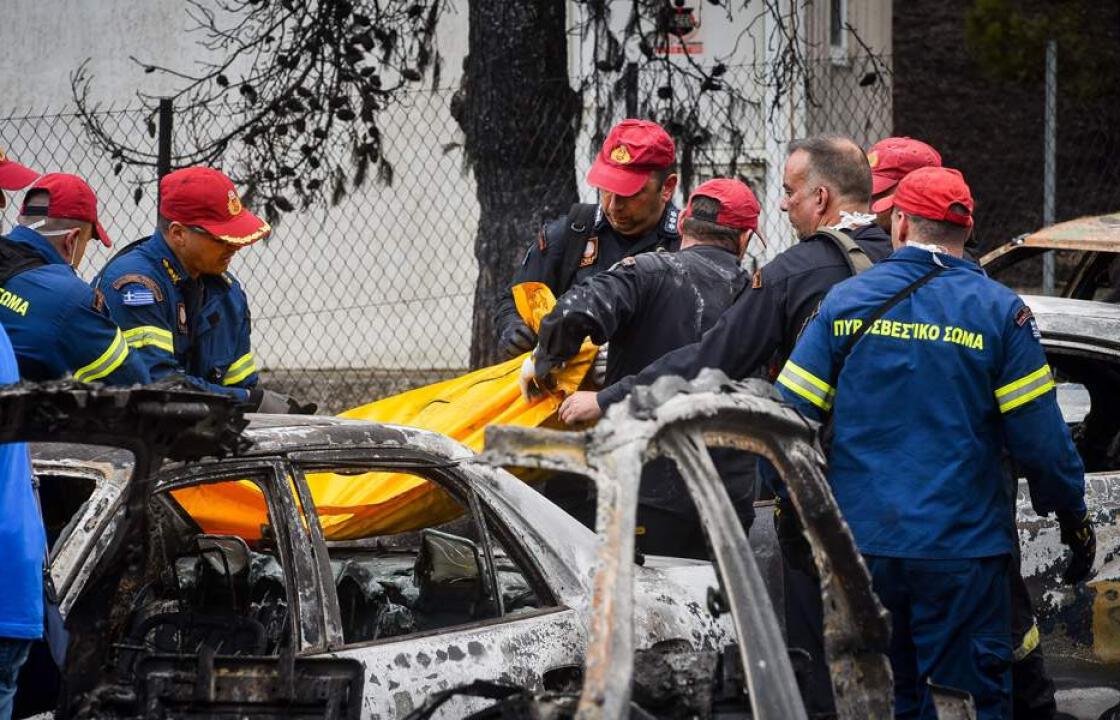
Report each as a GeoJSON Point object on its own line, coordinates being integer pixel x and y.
{"type": "Point", "coordinates": [516, 339]}
{"type": "Point", "coordinates": [267, 401]}
{"type": "Point", "coordinates": [1078, 535]}
{"type": "Point", "coordinates": [791, 539]}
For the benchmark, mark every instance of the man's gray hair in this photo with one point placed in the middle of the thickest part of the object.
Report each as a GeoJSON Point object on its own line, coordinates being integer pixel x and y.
{"type": "Point", "coordinates": [839, 164]}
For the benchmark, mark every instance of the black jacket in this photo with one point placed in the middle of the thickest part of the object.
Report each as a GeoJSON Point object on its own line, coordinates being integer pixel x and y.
{"type": "Point", "coordinates": [646, 306]}
{"type": "Point", "coordinates": [760, 328]}
{"type": "Point", "coordinates": [544, 260]}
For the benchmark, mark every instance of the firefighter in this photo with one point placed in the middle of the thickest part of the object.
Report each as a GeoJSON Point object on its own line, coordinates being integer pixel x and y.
{"type": "Point", "coordinates": [891, 159]}
{"type": "Point", "coordinates": [647, 305]}
{"type": "Point", "coordinates": [635, 214]}
{"type": "Point", "coordinates": [928, 369]}
{"type": "Point", "coordinates": [58, 325]}
{"type": "Point", "coordinates": [182, 312]}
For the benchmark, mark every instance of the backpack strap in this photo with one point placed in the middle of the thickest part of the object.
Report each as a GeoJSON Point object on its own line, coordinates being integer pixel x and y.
{"type": "Point", "coordinates": [16, 258]}
{"type": "Point", "coordinates": [857, 259]}
{"type": "Point", "coordinates": [578, 226]}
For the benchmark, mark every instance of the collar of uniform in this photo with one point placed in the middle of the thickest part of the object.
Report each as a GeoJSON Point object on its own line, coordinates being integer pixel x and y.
{"type": "Point", "coordinates": [159, 246]}
{"type": "Point", "coordinates": [913, 254]}
{"type": "Point", "coordinates": [670, 221]}
{"type": "Point", "coordinates": [26, 236]}
{"type": "Point", "coordinates": [716, 251]}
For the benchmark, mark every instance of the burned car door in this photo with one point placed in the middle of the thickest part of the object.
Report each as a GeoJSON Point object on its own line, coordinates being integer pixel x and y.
{"type": "Point", "coordinates": [429, 604]}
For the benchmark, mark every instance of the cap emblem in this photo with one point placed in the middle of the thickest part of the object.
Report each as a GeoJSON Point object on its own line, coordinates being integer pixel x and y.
{"type": "Point", "coordinates": [233, 203]}
{"type": "Point", "coordinates": [621, 155]}
{"type": "Point", "coordinates": [873, 158]}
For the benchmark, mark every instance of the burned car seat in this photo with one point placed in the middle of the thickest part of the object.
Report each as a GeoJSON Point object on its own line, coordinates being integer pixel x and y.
{"type": "Point", "coordinates": [212, 579]}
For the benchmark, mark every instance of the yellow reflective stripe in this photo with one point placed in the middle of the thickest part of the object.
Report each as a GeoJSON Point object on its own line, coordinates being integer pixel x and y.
{"type": "Point", "coordinates": [1030, 642]}
{"type": "Point", "coordinates": [145, 335]}
{"type": "Point", "coordinates": [109, 361]}
{"type": "Point", "coordinates": [242, 368]}
{"type": "Point", "coordinates": [1025, 389]}
{"type": "Point", "coordinates": [799, 380]}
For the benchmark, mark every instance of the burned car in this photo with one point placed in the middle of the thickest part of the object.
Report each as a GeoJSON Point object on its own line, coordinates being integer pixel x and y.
{"type": "Point", "coordinates": [176, 611]}
{"type": "Point", "coordinates": [1087, 254]}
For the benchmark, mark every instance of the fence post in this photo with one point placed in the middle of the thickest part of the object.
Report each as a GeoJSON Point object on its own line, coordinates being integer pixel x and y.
{"type": "Point", "coordinates": [630, 82]}
{"type": "Point", "coordinates": [1050, 151]}
{"type": "Point", "coordinates": [163, 156]}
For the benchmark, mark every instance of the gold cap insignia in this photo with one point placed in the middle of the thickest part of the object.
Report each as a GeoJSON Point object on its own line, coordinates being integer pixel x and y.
{"type": "Point", "coordinates": [233, 203]}
{"type": "Point", "coordinates": [621, 155]}
{"type": "Point", "coordinates": [873, 158]}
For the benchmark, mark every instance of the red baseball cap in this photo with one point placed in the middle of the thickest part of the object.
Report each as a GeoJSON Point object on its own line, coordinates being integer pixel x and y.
{"type": "Point", "coordinates": [632, 151]}
{"type": "Point", "coordinates": [738, 207]}
{"type": "Point", "coordinates": [14, 176]}
{"type": "Point", "coordinates": [931, 192]}
{"type": "Point", "coordinates": [205, 197]}
{"type": "Point", "coordinates": [894, 158]}
{"type": "Point", "coordinates": [69, 198]}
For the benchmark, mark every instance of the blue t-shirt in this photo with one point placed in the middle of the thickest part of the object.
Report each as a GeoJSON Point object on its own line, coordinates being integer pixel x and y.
{"type": "Point", "coordinates": [22, 538]}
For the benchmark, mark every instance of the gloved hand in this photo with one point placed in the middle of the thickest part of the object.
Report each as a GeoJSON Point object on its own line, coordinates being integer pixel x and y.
{"type": "Point", "coordinates": [599, 367]}
{"type": "Point", "coordinates": [1078, 535]}
{"type": "Point", "coordinates": [267, 401]}
{"type": "Point", "coordinates": [534, 381]}
{"type": "Point", "coordinates": [516, 339]}
{"type": "Point", "coordinates": [795, 548]}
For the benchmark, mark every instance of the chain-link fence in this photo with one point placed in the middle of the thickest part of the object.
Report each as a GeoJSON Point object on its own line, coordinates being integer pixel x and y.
{"type": "Point", "coordinates": [372, 295]}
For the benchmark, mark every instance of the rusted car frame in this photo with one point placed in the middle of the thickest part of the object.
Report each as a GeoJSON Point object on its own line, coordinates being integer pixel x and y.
{"type": "Point", "coordinates": [680, 421]}
{"type": "Point", "coordinates": [1096, 239]}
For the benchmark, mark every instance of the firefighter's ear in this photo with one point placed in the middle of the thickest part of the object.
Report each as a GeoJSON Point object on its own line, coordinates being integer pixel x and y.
{"type": "Point", "coordinates": [900, 228]}
{"type": "Point", "coordinates": [669, 187]}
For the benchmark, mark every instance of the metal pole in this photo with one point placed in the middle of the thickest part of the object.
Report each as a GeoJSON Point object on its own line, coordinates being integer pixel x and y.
{"type": "Point", "coordinates": [1050, 159]}
{"type": "Point", "coordinates": [163, 156]}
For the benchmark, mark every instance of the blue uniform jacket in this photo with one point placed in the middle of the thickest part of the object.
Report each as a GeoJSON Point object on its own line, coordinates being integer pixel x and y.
{"type": "Point", "coordinates": [22, 538]}
{"type": "Point", "coordinates": [924, 405]}
{"type": "Point", "coordinates": [179, 326]}
{"type": "Point", "coordinates": [59, 326]}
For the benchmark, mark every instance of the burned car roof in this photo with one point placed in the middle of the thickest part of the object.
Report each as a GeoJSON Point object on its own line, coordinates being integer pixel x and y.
{"type": "Point", "coordinates": [281, 434]}
{"type": "Point", "coordinates": [1097, 233]}
{"type": "Point", "coordinates": [1076, 324]}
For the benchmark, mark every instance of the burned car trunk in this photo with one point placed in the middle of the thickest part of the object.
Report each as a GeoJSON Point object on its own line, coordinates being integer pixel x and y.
{"type": "Point", "coordinates": [681, 421]}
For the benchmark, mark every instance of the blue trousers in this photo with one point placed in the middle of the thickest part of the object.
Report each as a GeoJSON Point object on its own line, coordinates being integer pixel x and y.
{"type": "Point", "coordinates": [950, 624]}
{"type": "Point", "coordinates": [13, 653]}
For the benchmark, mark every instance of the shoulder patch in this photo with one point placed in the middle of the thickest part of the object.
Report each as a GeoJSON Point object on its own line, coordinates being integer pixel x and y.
{"type": "Point", "coordinates": [98, 303]}
{"type": "Point", "coordinates": [1023, 316]}
{"type": "Point", "coordinates": [756, 279]}
{"type": "Point", "coordinates": [150, 286]}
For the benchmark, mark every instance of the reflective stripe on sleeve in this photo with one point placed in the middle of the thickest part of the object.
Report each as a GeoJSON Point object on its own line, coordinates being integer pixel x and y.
{"type": "Point", "coordinates": [1030, 642]}
{"type": "Point", "coordinates": [145, 335]}
{"type": "Point", "coordinates": [109, 361]}
{"type": "Point", "coordinates": [242, 368]}
{"type": "Point", "coordinates": [1027, 388]}
{"type": "Point", "coordinates": [799, 380]}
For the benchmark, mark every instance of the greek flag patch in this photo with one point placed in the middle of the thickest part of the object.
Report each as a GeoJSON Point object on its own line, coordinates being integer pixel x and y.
{"type": "Point", "coordinates": [138, 297]}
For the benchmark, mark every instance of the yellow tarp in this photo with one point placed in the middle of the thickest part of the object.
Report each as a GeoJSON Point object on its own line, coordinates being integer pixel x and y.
{"type": "Point", "coordinates": [377, 503]}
